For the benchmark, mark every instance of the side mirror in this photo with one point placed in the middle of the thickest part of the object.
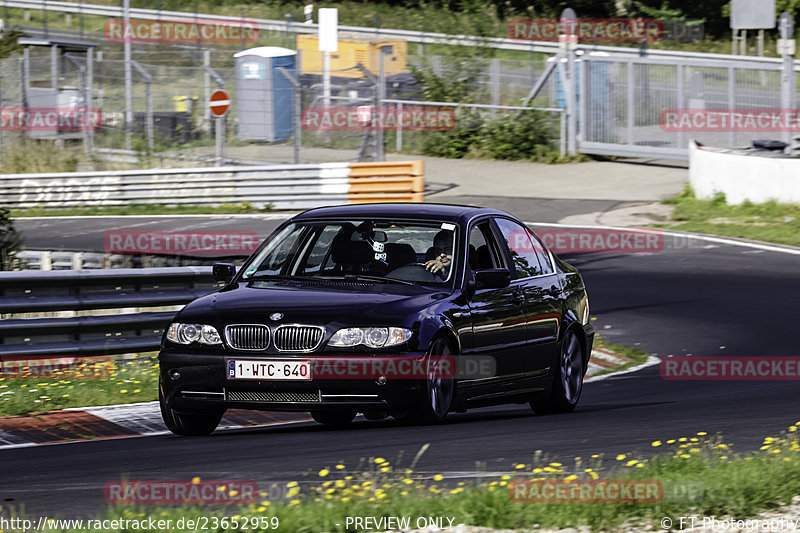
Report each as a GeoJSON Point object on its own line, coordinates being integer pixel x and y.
{"type": "Point", "coordinates": [224, 272]}
{"type": "Point", "coordinates": [492, 278]}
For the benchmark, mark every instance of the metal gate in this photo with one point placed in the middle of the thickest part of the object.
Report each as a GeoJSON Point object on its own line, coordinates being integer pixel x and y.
{"type": "Point", "coordinates": [622, 101]}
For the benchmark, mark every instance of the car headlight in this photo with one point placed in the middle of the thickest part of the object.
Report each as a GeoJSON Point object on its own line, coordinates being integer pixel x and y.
{"type": "Point", "coordinates": [189, 333]}
{"type": "Point", "coordinates": [371, 337]}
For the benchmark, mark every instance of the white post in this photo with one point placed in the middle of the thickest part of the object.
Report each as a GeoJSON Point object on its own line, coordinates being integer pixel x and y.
{"type": "Point", "coordinates": [207, 89]}
{"type": "Point", "coordinates": [328, 42]}
{"type": "Point", "coordinates": [786, 27]}
{"type": "Point", "coordinates": [220, 127]}
{"type": "Point", "coordinates": [126, 20]}
{"type": "Point", "coordinates": [326, 79]}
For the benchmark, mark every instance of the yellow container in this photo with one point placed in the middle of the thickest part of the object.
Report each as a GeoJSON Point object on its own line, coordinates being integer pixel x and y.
{"type": "Point", "coordinates": [352, 50]}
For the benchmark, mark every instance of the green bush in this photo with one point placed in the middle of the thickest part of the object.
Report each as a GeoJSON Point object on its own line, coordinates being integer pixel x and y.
{"type": "Point", "coordinates": [526, 136]}
{"type": "Point", "coordinates": [23, 156]}
{"type": "Point", "coordinates": [455, 143]}
{"type": "Point", "coordinates": [516, 137]}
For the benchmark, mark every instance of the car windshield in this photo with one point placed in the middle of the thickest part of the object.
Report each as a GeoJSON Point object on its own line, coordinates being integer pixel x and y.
{"type": "Point", "coordinates": [370, 250]}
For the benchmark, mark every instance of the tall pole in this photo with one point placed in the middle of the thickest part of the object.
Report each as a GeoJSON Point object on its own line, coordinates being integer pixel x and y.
{"type": "Point", "coordinates": [786, 26]}
{"type": "Point", "coordinates": [219, 127]}
{"type": "Point", "coordinates": [328, 42]}
{"type": "Point", "coordinates": [298, 109]}
{"type": "Point", "coordinates": [89, 95]}
{"type": "Point", "coordinates": [379, 148]}
{"type": "Point", "coordinates": [126, 19]}
{"type": "Point", "coordinates": [207, 89]}
{"type": "Point", "coordinates": [326, 79]}
{"type": "Point", "coordinates": [569, 22]}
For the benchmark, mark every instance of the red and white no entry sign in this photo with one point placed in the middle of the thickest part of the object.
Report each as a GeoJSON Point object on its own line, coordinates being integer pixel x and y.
{"type": "Point", "coordinates": [219, 103]}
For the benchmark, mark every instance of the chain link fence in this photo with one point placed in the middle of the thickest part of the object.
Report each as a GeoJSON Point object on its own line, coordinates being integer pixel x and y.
{"type": "Point", "coordinates": [171, 84]}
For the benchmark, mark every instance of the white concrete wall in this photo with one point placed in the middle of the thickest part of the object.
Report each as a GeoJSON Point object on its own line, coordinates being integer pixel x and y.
{"type": "Point", "coordinates": [743, 177]}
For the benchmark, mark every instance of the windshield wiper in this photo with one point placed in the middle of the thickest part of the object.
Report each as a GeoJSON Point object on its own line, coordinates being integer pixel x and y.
{"type": "Point", "coordinates": [289, 277]}
{"type": "Point", "coordinates": [364, 277]}
{"type": "Point", "coordinates": [346, 277]}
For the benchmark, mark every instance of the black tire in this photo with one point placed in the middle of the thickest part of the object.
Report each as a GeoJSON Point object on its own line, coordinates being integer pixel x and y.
{"type": "Point", "coordinates": [188, 424]}
{"type": "Point", "coordinates": [568, 379]}
{"type": "Point", "coordinates": [336, 419]}
{"type": "Point", "coordinates": [438, 392]}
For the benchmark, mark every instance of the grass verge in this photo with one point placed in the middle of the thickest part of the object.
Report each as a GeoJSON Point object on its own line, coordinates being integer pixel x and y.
{"type": "Point", "coordinates": [60, 384]}
{"type": "Point", "coordinates": [142, 209]}
{"type": "Point", "coordinates": [770, 221]}
{"type": "Point", "coordinates": [636, 356]}
{"type": "Point", "coordinates": [720, 483]}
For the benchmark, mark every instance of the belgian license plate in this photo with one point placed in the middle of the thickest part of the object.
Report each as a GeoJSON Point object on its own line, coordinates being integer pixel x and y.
{"type": "Point", "coordinates": [269, 370]}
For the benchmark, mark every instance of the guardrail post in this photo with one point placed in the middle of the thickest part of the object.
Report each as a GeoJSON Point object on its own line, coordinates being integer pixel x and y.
{"type": "Point", "coordinates": [46, 261]}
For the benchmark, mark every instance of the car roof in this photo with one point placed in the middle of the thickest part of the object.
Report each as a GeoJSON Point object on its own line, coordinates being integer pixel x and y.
{"type": "Point", "coordinates": [409, 210]}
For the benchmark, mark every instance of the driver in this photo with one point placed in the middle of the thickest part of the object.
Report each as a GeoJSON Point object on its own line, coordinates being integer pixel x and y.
{"type": "Point", "coordinates": [441, 253]}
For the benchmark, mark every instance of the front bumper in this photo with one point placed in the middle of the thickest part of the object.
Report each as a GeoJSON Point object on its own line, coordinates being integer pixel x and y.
{"type": "Point", "coordinates": [203, 385]}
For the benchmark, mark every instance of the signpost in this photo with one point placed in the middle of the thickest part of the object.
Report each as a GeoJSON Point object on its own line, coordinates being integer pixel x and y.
{"type": "Point", "coordinates": [218, 104]}
{"type": "Point", "coordinates": [750, 15]}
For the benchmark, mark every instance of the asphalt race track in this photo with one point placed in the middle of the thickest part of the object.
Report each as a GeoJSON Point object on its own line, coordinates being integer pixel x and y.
{"type": "Point", "coordinates": [707, 299]}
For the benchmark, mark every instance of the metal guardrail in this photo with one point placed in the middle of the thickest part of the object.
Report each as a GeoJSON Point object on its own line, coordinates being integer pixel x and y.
{"type": "Point", "coordinates": [30, 292]}
{"type": "Point", "coordinates": [386, 33]}
{"type": "Point", "coordinates": [281, 186]}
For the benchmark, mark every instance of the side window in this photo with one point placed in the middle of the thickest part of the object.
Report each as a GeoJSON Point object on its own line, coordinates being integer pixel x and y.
{"type": "Point", "coordinates": [522, 250]}
{"type": "Point", "coordinates": [320, 249]}
{"type": "Point", "coordinates": [482, 252]}
{"type": "Point", "coordinates": [541, 253]}
{"type": "Point", "coordinates": [276, 260]}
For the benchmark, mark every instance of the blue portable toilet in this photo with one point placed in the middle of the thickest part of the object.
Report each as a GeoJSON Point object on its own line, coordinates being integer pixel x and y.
{"type": "Point", "coordinates": [264, 102]}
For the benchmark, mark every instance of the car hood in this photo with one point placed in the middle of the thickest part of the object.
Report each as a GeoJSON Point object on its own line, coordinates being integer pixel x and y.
{"type": "Point", "coordinates": [353, 303]}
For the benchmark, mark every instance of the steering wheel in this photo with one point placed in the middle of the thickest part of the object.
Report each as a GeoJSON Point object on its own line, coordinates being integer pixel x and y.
{"type": "Point", "coordinates": [416, 272]}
